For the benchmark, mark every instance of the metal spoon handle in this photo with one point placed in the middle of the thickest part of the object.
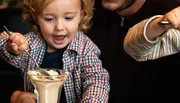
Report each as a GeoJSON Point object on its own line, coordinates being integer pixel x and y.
{"type": "Point", "coordinates": [32, 58]}
{"type": "Point", "coordinates": [43, 72]}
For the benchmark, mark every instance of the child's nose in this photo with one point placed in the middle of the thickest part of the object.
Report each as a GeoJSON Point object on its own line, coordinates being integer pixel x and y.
{"type": "Point", "coordinates": [59, 26]}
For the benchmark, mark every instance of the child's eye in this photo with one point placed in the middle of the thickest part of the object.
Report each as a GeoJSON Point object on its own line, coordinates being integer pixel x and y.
{"type": "Point", "coordinates": [49, 19]}
{"type": "Point", "coordinates": [68, 18]}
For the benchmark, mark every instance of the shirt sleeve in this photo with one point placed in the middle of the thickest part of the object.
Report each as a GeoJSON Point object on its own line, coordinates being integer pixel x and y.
{"type": "Point", "coordinates": [95, 78]}
{"type": "Point", "coordinates": [137, 45]}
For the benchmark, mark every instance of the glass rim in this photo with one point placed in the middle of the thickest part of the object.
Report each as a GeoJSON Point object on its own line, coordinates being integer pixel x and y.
{"type": "Point", "coordinates": [60, 72]}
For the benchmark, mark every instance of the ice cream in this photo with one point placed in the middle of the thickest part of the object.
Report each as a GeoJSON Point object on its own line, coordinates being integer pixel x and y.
{"type": "Point", "coordinates": [48, 90]}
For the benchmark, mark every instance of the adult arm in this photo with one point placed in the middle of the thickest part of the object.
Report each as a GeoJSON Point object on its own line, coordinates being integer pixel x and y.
{"type": "Point", "coordinates": [148, 40]}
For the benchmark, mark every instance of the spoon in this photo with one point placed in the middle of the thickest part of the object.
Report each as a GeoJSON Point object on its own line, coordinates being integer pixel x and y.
{"type": "Point", "coordinates": [42, 71]}
{"type": "Point", "coordinates": [164, 23]}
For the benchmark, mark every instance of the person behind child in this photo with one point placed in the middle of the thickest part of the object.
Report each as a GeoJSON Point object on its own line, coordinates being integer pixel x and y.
{"type": "Point", "coordinates": [129, 79]}
{"type": "Point", "coordinates": [58, 41]}
{"type": "Point", "coordinates": [149, 39]}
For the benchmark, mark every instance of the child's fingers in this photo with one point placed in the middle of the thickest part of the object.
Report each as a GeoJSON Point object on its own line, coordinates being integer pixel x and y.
{"type": "Point", "coordinates": [17, 39]}
{"type": "Point", "coordinates": [11, 38]}
{"type": "Point", "coordinates": [17, 43]}
{"type": "Point", "coordinates": [14, 47]}
{"type": "Point", "coordinates": [18, 49]}
{"type": "Point", "coordinates": [22, 48]}
{"type": "Point", "coordinates": [5, 35]}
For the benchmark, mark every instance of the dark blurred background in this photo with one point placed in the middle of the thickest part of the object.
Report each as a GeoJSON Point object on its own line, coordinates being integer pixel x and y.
{"type": "Point", "coordinates": [10, 77]}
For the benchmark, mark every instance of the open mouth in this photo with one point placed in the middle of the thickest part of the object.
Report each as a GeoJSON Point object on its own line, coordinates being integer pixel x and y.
{"type": "Point", "coordinates": [58, 39]}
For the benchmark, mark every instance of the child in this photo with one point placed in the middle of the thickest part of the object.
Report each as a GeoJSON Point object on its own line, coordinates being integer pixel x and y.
{"type": "Point", "coordinates": [149, 40]}
{"type": "Point", "coordinates": [58, 42]}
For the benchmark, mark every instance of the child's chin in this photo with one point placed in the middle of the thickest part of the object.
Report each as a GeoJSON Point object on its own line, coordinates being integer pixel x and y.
{"type": "Point", "coordinates": [61, 46]}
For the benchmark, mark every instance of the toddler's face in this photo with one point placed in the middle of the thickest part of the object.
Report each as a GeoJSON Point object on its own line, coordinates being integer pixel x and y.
{"type": "Point", "coordinates": [59, 22]}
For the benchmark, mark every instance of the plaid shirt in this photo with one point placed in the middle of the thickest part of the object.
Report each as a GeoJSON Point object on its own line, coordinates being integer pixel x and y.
{"type": "Point", "coordinates": [88, 81]}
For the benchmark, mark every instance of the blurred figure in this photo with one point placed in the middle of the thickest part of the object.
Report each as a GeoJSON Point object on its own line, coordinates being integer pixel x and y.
{"type": "Point", "coordinates": [132, 81]}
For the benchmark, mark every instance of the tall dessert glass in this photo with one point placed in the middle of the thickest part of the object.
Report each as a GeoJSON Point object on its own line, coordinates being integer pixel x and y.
{"type": "Point", "coordinates": [48, 88]}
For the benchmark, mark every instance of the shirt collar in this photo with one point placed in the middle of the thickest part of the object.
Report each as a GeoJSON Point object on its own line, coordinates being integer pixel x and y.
{"type": "Point", "coordinates": [77, 44]}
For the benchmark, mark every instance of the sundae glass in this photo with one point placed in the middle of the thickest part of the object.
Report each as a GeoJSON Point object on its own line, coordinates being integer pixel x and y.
{"type": "Point", "coordinates": [48, 88]}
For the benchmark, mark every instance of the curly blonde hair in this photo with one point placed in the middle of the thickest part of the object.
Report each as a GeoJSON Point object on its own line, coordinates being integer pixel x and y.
{"type": "Point", "coordinates": [31, 8]}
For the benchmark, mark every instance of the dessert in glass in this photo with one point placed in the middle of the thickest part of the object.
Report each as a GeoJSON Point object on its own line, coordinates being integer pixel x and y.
{"type": "Point", "coordinates": [48, 88]}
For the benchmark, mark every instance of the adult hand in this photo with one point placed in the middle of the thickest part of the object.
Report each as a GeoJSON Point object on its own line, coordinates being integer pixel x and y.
{"type": "Point", "coordinates": [173, 17]}
{"type": "Point", "coordinates": [23, 97]}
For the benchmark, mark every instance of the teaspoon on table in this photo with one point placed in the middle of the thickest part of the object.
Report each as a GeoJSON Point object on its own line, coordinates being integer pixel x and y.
{"type": "Point", "coordinates": [42, 71]}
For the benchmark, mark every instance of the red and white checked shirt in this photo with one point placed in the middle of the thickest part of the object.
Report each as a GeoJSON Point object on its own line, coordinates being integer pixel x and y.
{"type": "Point", "coordinates": [88, 81]}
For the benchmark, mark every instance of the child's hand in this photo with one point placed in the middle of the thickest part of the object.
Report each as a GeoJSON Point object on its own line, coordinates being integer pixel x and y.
{"type": "Point", "coordinates": [17, 43]}
{"type": "Point", "coordinates": [23, 97]}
